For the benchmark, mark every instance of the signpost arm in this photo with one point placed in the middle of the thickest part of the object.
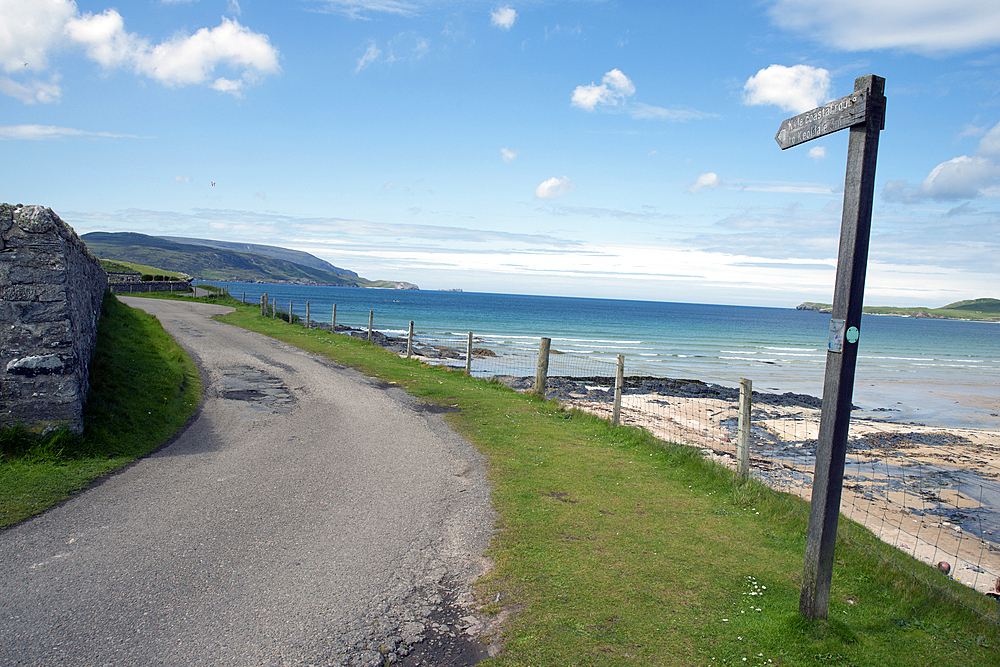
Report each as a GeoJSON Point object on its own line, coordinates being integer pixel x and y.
{"type": "Point", "coordinates": [831, 446]}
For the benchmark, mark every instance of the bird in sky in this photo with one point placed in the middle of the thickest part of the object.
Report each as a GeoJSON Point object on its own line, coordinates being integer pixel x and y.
{"type": "Point", "coordinates": [213, 184]}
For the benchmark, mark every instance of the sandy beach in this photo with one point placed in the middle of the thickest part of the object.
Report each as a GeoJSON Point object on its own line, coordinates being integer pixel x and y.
{"type": "Point", "coordinates": [933, 493]}
{"type": "Point", "coordinates": [930, 491]}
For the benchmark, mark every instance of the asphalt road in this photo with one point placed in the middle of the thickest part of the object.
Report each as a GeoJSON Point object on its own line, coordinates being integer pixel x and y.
{"type": "Point", "coordinates": [307, 515]}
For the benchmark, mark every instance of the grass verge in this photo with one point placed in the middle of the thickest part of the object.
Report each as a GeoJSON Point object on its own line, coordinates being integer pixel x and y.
{"type": "Point", "coordinates": [143, 389]}
{"type": "Point", "coordinates": [614, 548]}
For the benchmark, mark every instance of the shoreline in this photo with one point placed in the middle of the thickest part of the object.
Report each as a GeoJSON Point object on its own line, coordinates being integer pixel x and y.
{"type": "Point", "coordinates": [931, 491]}
{"type": "Point", "coordinates": [891, 401]}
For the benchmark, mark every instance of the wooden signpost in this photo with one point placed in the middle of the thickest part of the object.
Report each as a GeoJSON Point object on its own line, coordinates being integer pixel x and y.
{"type": "Point", "coordinates": [864, 112]}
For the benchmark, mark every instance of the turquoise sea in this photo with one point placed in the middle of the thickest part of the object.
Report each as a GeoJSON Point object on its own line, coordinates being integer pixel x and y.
{"type": "Point", "coordinates": [932, 371]}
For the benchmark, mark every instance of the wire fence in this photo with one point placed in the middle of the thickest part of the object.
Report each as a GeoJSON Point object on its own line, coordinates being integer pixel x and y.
{"type": "Point", "coordinates": [909, 490]}
{"type": "Point", "coordinates": [927, 492]}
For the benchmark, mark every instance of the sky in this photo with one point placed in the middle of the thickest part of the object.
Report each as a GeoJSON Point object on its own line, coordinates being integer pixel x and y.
{"type": "Point", "coordinates": [563, 147]}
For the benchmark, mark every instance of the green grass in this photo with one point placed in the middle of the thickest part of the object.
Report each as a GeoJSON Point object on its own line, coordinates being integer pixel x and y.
{"type": "Point", "coordinates": [613, 548]}
{"type": "Point", "coordinates": [143, 388]}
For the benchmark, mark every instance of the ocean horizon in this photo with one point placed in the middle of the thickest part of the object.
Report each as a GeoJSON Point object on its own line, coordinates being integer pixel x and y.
{"type": "Point", "coordinates": [938, 372]}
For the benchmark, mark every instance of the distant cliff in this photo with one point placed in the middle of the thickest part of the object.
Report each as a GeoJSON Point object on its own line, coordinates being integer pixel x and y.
{"type": "Point", "coordinates": [213, 260]}
{"type": "Point", "coordinates": [983, 310]}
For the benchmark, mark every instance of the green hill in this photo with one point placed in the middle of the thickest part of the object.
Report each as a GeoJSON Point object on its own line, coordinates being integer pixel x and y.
{"type": "Point", "coordinates": [293, 256]}
{"type": "Point", "coordinates": [989, 307]}
{"type": "Point", "coordinates": [987, 310]}
{"type": "Point", "coordinates": [205, 262]}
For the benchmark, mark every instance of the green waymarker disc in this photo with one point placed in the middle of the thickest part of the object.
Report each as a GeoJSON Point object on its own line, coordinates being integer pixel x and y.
{"type": "Point", "coordinates": [852, 335]}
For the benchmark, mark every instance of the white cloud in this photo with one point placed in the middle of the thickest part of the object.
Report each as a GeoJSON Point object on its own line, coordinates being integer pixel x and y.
{"type": "Point", "coordinates": [508, 155]}
{"type": "Point", "coordinates": [797, 88]}
{"type": "Point", "coordinates": [553, 187]}
{"type": "Point", "coordinates": [817, 153]}
{"type": "Point", "coordinates": [926, 26]}
{"type": "Point", "coordinates": [709, 180]}
{"type": "Point", "coordinates": [503, 17]}
{"type": "Point", "coordinates": [645, 111]}
{"type": "Point", "coordinates": [32, 91]}
{"type": "Point", "coordinates": [899, 191]}
{"type": "Point", "coordinates": [104, 38]}
{"type": "Point", "coordinates": [189, 60]}
{"type": "Point", "coordinates": [371, 54]}
{"type": "Point", "coordinates": [359, 9]}
{"type": "Point", "coordinates": [40, 132]}
{"type": "Point", "coordinates": [224, 85]}
{"type": "Point", "coordinates": [613, 91]}
{"type": "Point", "coordinates": [43, 26]}
{"type": "Point", "coordinates": [182, 179]}
{"type": "Point", "coordinates": [989, 145]}
{"type": "Point", "coordinates": [28, 30]}
{"type": "Point", "coordinates": [963, 177]}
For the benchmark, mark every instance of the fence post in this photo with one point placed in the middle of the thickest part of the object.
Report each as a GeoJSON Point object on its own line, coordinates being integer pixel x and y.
{"type": "Point", "coordinates": [263, 308]}
{"type": "Point", "coordinates": [409, 341]}
{"type": "Point", "coordinates": [333, 322]}
{"type": "Point", "coordinates": [371, 320]}
{"type": "Point", "coordinates": [289, 311]}
{"type": "Point", "coordinates": [243, 299]}
{"type": "Point", "coordinates": [274, 307]}
{"type": "Point", "coordinates": [616, 412]}
{"type": "Point", "coordinates": [743, 433]}
{"type": "Point", "coordinates": [468, 356]}
{"type": "Point", "coordinates": [308, 316]}
{"type": "Point", "coordinates": [542, 372]}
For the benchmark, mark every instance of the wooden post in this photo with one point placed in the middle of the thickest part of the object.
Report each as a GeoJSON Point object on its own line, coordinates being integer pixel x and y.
{"type": "Point", "coordinates": [616, 411]}
{"type": "Point", "coordinates": [243, 299]}
{"type": "Point", "coordinates": [308, 316]}
{"type": "Point", "coordinates": [263, 308]}
{"type": "Point", "coordinates": [289, 311]}
{"type": "Point", "coordinates": [743, 429]}
{"type": "Point", "coordinates": [371, 320]}
{"type": "Point", "coordinates": [468, 356]}
{"type": "Point", "coordinates": [274, 307]}
{"type": "Point", "coordinates": [842, 352]}
{"type": "Point", "coordinates": [333, 321]}
{"type": "Point", "coordinates": [409, 341]}
{"type": "Point", "coordinates": [542, 370]}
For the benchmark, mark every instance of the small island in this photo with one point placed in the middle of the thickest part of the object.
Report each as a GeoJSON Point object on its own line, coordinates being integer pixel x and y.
{"type": "Point", "coordinates": [981, 310]}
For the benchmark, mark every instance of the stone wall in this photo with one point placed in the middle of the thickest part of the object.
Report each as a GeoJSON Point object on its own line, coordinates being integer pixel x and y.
{"type": "Point", "coordinates": [51, 288]}
{"type": "Point", "coordinates": [136, 287]}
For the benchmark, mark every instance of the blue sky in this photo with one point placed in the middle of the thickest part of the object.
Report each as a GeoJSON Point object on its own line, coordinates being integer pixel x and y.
{"type": "Point", "coordinates": [582, 148]}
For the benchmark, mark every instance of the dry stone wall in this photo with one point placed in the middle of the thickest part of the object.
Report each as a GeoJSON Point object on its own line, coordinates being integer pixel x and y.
{"type": "Point", "coordinates": [51, 288]}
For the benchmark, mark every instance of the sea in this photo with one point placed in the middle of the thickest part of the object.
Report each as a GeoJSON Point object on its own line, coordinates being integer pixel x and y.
{"type": "Point", "coordinates": [936, 372]}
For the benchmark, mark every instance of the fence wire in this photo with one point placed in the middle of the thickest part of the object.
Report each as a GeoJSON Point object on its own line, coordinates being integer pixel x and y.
{"type": "Point", "coordinates": [927, 492]}
{"type": "Point", "coordinates": [909, 490]}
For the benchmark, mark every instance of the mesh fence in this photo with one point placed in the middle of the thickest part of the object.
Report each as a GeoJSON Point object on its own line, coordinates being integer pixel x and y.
{"type": "Point", "coordinates": [929, 493]}
{"type": "Point", "coordinates": [913, 493]}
